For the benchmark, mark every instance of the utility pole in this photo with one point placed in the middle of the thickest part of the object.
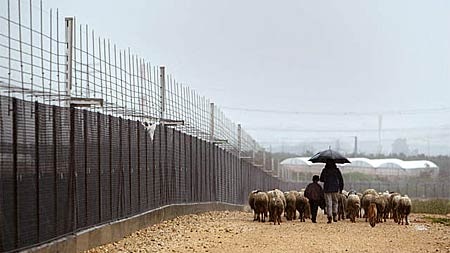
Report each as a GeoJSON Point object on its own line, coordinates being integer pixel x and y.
{"type": "Point", "coordinates": [380, 121]}
{"type": "Point", "coordinates": [355, 150]}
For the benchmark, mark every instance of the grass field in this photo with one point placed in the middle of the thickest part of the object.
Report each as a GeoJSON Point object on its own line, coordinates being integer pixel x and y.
{"type": "Point", "coordinates": [433, 206]}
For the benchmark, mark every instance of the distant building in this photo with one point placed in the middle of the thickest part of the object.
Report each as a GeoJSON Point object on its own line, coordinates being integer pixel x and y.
{"type": "Point", "coordinates": [390, 168]}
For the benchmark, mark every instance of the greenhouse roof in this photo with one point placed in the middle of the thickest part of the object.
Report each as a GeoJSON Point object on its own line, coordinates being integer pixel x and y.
{"type": "Point", "coordinates": [370, 163]}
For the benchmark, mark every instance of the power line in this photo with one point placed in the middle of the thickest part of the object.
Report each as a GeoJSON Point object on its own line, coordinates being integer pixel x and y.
{"type": "Point", "coordinates": [319, 113]}
{"type": "Point", "coordinates": [346, 130]}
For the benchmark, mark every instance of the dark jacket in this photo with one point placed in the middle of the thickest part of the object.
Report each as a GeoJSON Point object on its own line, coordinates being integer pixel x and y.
{"type": "Point", "coordinates": [332, 179]}
{"type": "Point", "coordinates": [314, 193]}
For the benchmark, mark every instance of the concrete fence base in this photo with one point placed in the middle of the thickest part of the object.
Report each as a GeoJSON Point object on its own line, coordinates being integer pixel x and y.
{"type": "Point", "coordinates": [117, 230]}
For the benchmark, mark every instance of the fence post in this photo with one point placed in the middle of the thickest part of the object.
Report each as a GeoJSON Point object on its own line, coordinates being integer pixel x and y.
{"type": "Point", "coordinates": [36, 133]}
{"type": "Point", "coordinates": [55, 169]}
{"type": "Point", "coordinates": [162, 90]}
{"type": "Point", "coordinates": [110, 166]}
{"type": "Point", "coordinates": [138, 143]}
{"type": "Point", "coordinates": [121, 197]}
{"type": "Point", "coordinates": [100, 171]}
{"type": "Point", "coordinates": [239, 129]}
{"type": "Point", "coordinates": [130, 170]}
{"type": "Point", "coordinates": [69, 58]}
{"type": "Point", "coordinates": [87, 170]}
{"type": "Point", "coordinates": [211, 125]}
{"type": "Point", "coordinates": [16, 175]}
{"type": "Point", "coordinates": [72, 178]}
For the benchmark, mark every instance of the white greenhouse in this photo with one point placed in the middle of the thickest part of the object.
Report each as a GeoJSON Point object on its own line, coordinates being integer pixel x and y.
{"type": "Point", "coordinates": [381, 167]}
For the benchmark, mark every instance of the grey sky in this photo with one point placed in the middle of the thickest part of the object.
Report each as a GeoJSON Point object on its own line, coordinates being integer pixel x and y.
{"type": "Point", "coordinates": [297, 56]}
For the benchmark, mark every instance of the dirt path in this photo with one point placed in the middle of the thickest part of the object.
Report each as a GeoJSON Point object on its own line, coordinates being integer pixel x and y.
{"type": "Point", "coordinates": [236, 232]}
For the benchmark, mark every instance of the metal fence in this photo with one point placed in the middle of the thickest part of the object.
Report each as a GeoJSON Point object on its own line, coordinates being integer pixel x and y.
{"type": "Point", "coordinates": [418, 190]}
{"type": "Point", "coordinates": [439, 189]}
{"type": "Point", "coordinates": [65, 169]}
{"type": "Point", "coordinates": [54, 60]}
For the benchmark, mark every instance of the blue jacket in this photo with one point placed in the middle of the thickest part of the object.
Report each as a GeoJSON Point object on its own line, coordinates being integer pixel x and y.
{"type": "Point", "coordinates": [332, 179]}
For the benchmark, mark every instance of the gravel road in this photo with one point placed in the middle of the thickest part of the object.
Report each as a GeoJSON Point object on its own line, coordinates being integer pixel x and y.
{"type": "Point", "coordinates": [236, 232]}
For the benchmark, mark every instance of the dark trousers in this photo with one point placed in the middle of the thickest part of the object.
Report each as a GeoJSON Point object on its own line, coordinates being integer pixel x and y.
{"type": "Point", "coordinates": [314, 206]}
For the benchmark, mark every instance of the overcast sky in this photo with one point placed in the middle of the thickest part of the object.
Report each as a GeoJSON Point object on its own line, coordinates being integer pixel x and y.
{"type": "Point", "coordinates": [299, 57]}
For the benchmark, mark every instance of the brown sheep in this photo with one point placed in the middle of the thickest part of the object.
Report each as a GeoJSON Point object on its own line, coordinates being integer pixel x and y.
{"type": "Point", "coordinates": [303, 208]}
{"type": "Point", "coordinates": [365, 203]}
{"type": "Point", "coordinates": [261, 202]}
{"type": "Point", "coordinates": [276, 208]}
{"type": "Point", "coordinates": [404, 209]}
{"type": "Point", "coordinates": [290, 209]}
{"type": "Point", "coordinates": [372, 214]}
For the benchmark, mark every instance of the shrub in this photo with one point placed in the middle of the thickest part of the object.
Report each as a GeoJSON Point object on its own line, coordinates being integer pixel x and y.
{"type": "Point", "coordinates": [435, 206]}
{"type": "Point", "coordinates": [443, 221]}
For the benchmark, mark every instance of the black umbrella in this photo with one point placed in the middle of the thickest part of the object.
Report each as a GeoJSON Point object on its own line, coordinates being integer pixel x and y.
{"type": "Point", "coordinates": [326, 155]}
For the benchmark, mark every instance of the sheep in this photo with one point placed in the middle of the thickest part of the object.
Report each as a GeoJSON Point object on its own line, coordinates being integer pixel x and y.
{"type": "Point", "coordinates": [303, 208]}
{"type": "Point", "coordinates": [381, 202]}
{"type": "Point", "coordinates": [395, 201]}
{"type": "Point", "coordinates": [285, 196]}
{"type": "Point", "coordinates": [353, 206]}
{"type": "Point", "coordinates": [345, 192]}
{"type": "Point", "coordinates": [261, 202]}
{"type": "Point", "coordinates": [372, 214]}
{"type": "Point", "coordinates": [370, 191]}
{"type": "Point", "coordinates": [276, 208]}
{"type": "Point", "coordinates": [391, 205]}
{"type": "Point", "coordinates": [280, 194]}
{"type": "Point", "coordinates": [270, 195]}
{"type": "Point", "coordinates": [342, 202]}
{"type": "Point", "coordinates": [367, 199]}
{"type": "Point", "coordinates": [360, 199]}
{"type": "Point", "coordinates": [276, 193]}
{"type": "Point", "coordinates": [290, 209]}
{"type": "Point", "coordinates": [387, 209]}
{"type": "Point", "coordinates": [404, 209]}
{"type": "Point", "coordinates": [251, 202]}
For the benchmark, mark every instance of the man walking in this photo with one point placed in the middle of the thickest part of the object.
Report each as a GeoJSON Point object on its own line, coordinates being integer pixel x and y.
{"type": "Point", "coordinates": [333, 184]}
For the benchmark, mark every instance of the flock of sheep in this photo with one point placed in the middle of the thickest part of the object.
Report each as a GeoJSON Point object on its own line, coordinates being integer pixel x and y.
{"type": "Point", "coordinates": [374, 206]}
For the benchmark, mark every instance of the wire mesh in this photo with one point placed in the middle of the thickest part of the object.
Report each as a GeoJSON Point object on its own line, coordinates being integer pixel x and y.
{"type": "Point", "coordinates": [58, 61]}
{"type": "Point", "coordinates": [8, 176]}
